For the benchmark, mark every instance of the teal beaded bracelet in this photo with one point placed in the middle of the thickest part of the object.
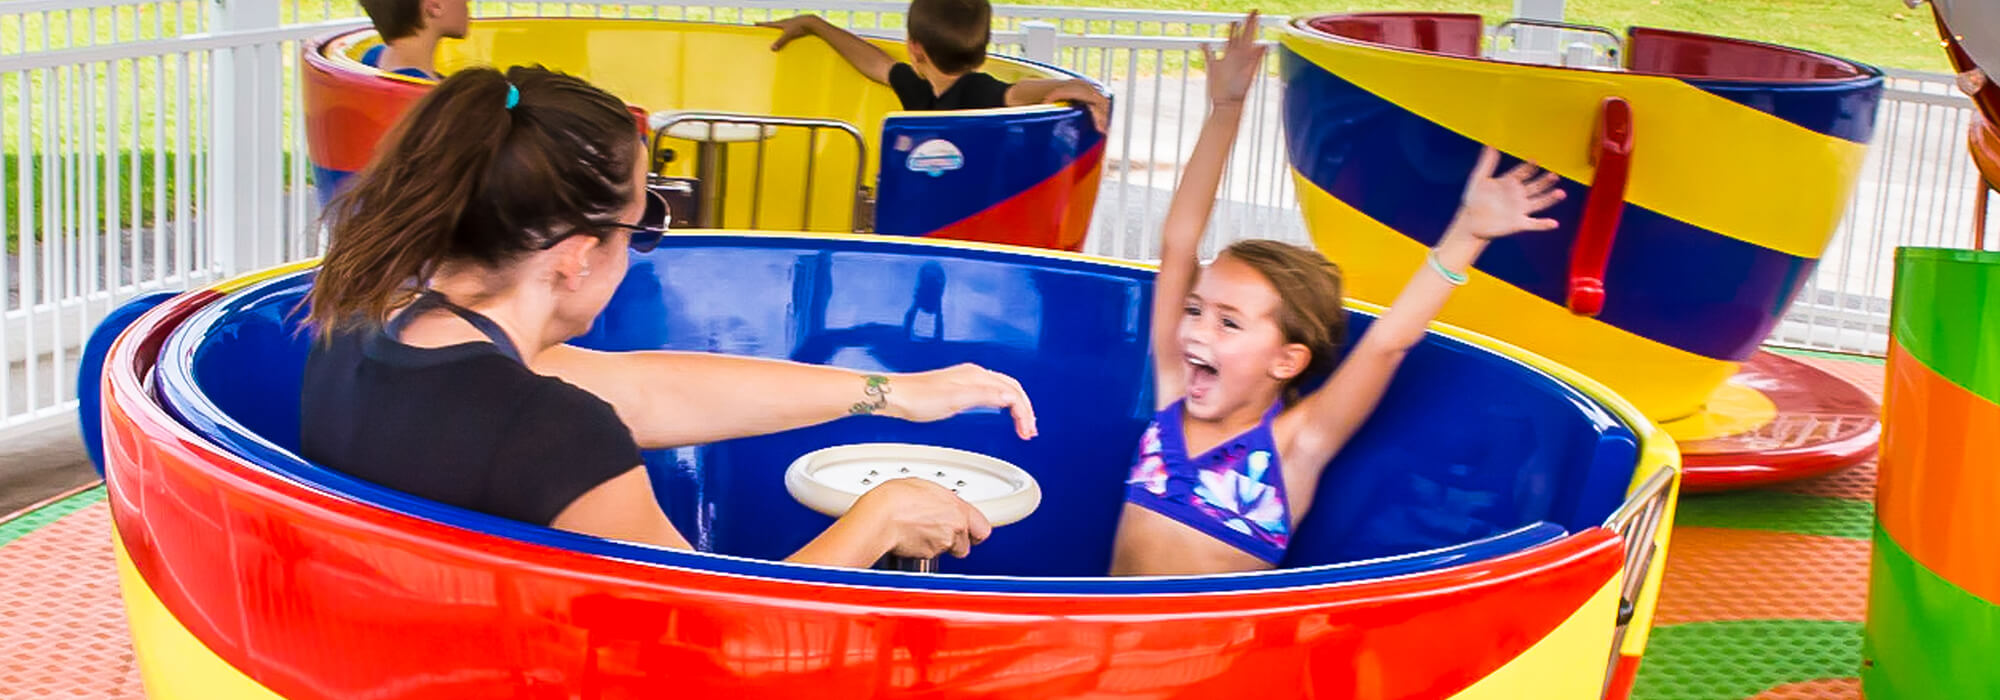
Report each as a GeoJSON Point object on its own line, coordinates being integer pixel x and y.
{"type": "Point", "coordinates": [1455, 278]}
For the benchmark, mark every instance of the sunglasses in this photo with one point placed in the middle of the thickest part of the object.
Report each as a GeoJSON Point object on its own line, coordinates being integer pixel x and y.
{"type": "Point", "coordinates": [646, 235]}
{"type": "Point", "coordinates": [653, 224]}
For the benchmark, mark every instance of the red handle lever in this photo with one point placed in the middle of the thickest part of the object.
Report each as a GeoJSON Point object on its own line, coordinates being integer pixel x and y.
{"type": "Point", "coordinates": [644, 119]}
{"type": "Point", "coordinates": [1611, 152]}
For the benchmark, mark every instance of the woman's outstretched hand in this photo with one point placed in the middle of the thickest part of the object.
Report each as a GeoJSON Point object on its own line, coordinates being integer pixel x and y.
{"type": "Point", "coordinates": [939, 394]}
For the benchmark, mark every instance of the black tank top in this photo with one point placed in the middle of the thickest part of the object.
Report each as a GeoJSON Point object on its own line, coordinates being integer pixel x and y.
{"type": "Point", "coordinates": [466, 425]}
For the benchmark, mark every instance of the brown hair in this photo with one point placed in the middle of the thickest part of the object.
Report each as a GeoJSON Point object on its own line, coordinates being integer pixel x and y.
{"type": "Point", "coordinates": [464, 177]}
{"type": "Point", "coordinates": [1309, 308]}
{"type": "Point", "coordinates": [395, 19]}
{"type": "Point", "coordinates": [953, 33]}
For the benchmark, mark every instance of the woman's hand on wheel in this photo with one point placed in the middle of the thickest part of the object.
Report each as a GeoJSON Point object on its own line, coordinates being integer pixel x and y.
{"type": "Point", "coordinates": [939, 394]}
{"type": "Point", "coordinates": [921, 519]}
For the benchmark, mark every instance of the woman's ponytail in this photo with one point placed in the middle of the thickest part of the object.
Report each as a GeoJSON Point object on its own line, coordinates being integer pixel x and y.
{"type": "Point", "coordinates": [483, 168]}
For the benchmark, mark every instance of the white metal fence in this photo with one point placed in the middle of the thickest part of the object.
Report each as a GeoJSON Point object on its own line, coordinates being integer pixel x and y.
{"type": "Point", "coordinates": [1917, 188]}
{"type": "Point", "coordinates": [147, 146]}
{"type": "Point", "coordinates": [157, 145]}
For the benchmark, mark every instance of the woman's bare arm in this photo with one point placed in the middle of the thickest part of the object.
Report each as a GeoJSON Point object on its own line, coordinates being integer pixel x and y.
{"type": "Point", "coordinates": [670, 399]}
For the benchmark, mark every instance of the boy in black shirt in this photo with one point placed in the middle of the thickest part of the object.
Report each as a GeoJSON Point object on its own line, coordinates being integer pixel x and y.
{"type": "Point", "coordinates": [947, 42]}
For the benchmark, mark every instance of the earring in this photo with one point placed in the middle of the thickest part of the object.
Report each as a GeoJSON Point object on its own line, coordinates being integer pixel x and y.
{"type": "Point", "coordinates": [585, 272]}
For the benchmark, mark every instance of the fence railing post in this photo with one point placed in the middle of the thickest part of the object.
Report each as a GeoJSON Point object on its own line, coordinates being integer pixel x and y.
{"type": "Point", "coordinates": [246, 140]}
{"type": "Point", "coordinates": [1538, 44]}
{"type": "Point", "coordinates": [1039, 41]}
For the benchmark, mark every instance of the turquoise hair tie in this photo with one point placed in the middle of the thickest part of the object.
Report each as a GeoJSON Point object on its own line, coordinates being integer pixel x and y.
{"type": "Point", "coordinates": [513, 96]}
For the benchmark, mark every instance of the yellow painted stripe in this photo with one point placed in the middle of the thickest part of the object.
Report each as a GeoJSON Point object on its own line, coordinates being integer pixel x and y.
{"type": "Point", "coordinates": [245, 280]}
{"type": "Point", "coordinates": [172, 662]}
{"type": "Point", "coordinates": [1569, 664]}
{"type": "Point", "coordinates": [1731, 409]}
{"type": "Point", "coordinates": [1665, 382]}
{"type": "Point", "coordinates": [1699, 158]}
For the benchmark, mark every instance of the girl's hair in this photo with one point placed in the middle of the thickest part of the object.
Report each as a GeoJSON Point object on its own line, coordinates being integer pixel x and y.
{"type": "Point", "coordinates": [474, 172]}
{"type": "Point", "coordinates": [1309, 308]}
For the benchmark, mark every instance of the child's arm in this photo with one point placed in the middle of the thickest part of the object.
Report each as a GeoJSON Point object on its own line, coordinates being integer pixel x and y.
{"type": "Point", "coordinates": [1043, 91]}
{"type": "Point", "coordinates": [871, 61]}
{"type": "Point", "coordinates": [1493, 207]}
{"type": "Point", "coordinates": [1229, 79]}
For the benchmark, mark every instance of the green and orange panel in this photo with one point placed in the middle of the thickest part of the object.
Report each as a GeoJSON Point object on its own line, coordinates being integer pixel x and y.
{"type": "Point", "coordinates": [1934, 594]}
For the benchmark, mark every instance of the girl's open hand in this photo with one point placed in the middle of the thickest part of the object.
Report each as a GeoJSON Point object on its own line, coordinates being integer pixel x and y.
{"type": "Point", "coordinates": [1503, 205]}
{"type": "Point", "coordinates": [1231, 75]}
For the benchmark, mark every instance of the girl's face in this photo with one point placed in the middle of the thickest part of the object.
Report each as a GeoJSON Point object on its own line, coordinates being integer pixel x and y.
{"type": "Point", "coordinates": [1236, 356]}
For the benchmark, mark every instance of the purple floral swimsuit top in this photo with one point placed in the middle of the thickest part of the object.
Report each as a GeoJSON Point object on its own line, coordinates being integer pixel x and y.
{"type": "Point", "coordinates": [1234, 492]}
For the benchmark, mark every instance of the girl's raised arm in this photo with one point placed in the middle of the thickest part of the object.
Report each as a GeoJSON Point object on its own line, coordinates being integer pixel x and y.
{"type": "Point", "coordinates": [1493, 207]}
{"type": "Point", "coordinates": [1230, 77]}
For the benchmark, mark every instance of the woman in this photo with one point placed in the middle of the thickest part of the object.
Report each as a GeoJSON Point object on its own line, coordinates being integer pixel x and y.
{"type": "Point", "coordinates": [492, 226]}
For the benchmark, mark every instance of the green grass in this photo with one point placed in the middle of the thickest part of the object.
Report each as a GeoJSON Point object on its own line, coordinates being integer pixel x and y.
{"type": "Point", "coordinates": [11, 167]}
{"type": "Point", "coordinates": [1881, 32]}
{"type": "Point", "coordinates": [74, 174]}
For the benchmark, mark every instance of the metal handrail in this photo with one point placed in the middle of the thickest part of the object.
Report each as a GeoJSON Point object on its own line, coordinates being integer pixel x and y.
{"type": "Point", "coordinates": [1654, 487]}
{"type": "Point", "coordinates": [810, 124]}
{"type": "Point", "coordinates": [1610, 39]}
{"type": "Point", "coordinates": [1637, 522]}
{"type": "Point", "coordinates": [1616, 39]}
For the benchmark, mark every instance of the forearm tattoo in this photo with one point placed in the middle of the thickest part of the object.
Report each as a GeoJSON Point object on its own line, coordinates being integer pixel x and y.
{"type": "Point", "coordinates": [877, 389]}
